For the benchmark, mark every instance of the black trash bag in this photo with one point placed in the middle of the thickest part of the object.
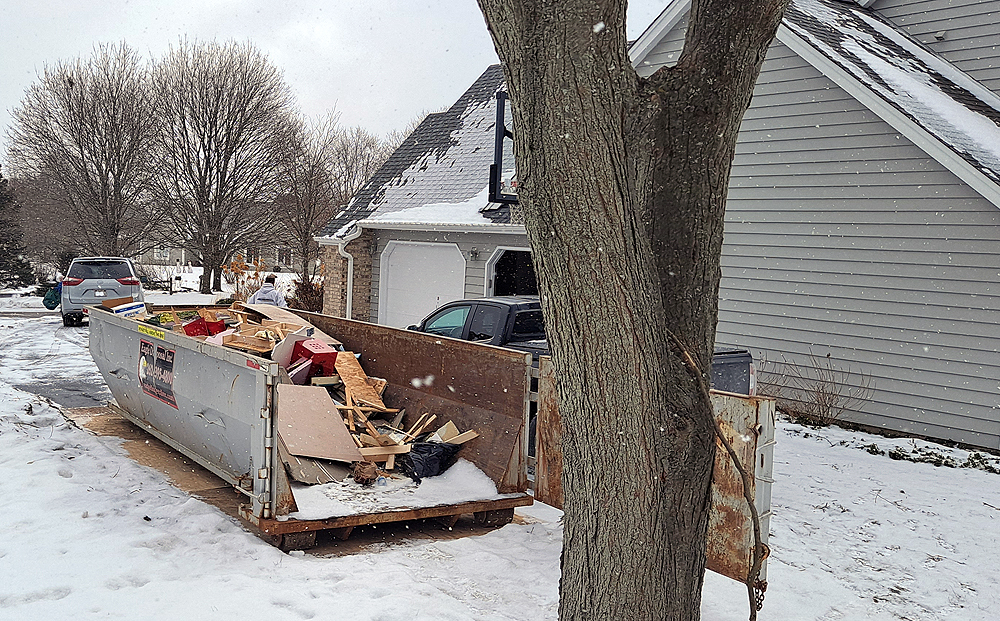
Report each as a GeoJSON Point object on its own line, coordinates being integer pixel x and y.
{"type": "Point", "coordinates": [427, 459]}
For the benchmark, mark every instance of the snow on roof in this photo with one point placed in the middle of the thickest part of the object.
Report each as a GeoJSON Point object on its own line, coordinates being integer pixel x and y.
{"type": "Point", "coordinates": [932, 93]}
{"type": "Point", "coordinates": [438, 175]}
{"type": "Point", "coordinates": [466, 212]}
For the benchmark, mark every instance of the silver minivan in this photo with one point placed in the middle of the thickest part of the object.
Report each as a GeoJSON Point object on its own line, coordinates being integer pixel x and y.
{"type": "Point", "coordinates": [92, 280]}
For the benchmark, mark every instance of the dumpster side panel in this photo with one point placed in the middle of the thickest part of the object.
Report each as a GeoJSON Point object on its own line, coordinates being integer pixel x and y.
{"type": "Point", "coordinates": [476, 386]}
{"type": "Point", "coordinates": [211, 403]}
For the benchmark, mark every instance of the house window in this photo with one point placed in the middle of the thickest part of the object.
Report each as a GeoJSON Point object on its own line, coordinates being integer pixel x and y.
{"type": "Point", "coordinates": [284, 255]}
{"type": "Point", "coordinates": [253, 254]}
{"type": "Point", "coordinates": [161, 254]}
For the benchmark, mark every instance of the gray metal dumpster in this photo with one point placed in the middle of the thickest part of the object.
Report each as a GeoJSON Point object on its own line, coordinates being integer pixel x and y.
{"type": "Point", "coordinates": [216, 405]}
{"type": "Point", "coordinates": [209, 402]}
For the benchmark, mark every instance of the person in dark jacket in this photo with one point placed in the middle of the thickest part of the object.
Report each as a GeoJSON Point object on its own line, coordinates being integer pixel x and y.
{"type": "Point", "coordinates": [267, 294]}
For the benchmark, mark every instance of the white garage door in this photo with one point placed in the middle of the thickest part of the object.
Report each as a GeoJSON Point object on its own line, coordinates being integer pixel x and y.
{"type": "Point", "coordinates": [416, 278]}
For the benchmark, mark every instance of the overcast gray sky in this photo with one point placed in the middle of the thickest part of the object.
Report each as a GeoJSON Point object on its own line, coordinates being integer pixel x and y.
{"type": "Point", "coordinates": [378, 62]}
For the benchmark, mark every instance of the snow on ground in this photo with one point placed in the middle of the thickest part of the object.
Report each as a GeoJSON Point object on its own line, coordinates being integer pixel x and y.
{"type": "Point", "coordinates": [90, 534]}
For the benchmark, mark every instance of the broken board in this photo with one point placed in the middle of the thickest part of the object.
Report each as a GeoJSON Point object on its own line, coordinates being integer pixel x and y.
{"type": "Point", "coordinates": [308, 470]}
{"type": "Point", "coordinates": [311, 425]}
{"type": "Point", "coordinates": [356, 381]}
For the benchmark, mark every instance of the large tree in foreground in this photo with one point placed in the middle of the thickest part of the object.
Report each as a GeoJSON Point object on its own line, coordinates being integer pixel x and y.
{"type": "Point", "coordinates": [224, 113]}
{"type": "Point", "coordinates": [85, 129]}
{"type": "Point", "coordinates": [623, 183]}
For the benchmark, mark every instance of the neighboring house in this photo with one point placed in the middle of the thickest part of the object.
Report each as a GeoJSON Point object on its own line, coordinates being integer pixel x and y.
{"type": "Point", "coordinates": [422, 231]}
{"type": "Point", "coordinates": [863, 217]}
{"type": "Point", "coordinates": [276, 258]}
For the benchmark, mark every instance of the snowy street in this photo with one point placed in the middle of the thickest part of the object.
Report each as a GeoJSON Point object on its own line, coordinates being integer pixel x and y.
{"type": "Point", "coordinates": [91, 534]}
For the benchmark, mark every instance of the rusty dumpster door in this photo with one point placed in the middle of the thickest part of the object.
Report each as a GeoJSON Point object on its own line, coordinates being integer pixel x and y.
{"type": "Point", "coordinates": [747, 423]}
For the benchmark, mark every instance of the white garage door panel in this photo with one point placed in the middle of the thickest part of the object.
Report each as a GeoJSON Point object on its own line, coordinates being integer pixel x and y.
{"type": "Point", "coordinates": [417, 278]}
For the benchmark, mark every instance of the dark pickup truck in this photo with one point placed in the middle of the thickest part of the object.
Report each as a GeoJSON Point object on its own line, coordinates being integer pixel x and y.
{"type": "Point", "coordinates": [516, 322]}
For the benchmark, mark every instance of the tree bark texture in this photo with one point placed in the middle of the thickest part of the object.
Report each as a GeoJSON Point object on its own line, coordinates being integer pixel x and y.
{"type": "Point", "coordinates": [623, 184]}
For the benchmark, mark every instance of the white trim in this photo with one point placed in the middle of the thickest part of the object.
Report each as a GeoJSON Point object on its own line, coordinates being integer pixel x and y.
{"type": "Point", "coordinates": [652, 36]}
{"type": "Point", "coordinates": [506, 229]}
{"type": "Point", "coordinates": [489, 285]}
{"type": "Point", "coordinates": [342, 250]}
{"type": "Point", "coordinates": [923, 139]}
{"type": "Point", "coordinates": [390, 246]}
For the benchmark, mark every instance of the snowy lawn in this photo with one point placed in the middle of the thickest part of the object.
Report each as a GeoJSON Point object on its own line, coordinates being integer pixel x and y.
{"type": "Point", "coordinates": [90, 534]}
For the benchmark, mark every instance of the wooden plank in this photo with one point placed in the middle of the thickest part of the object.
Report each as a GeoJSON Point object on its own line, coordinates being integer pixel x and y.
{"type": "Point", "coordinates": [308, 470]}
{"type": "Point", "coordinates": [356, 380]}
{"type": "Point", "coordinates": [384, 450]}
{"type": "Point", "coordinates": [311, 426]}
{"type": "Point", "coordinates": [463, 437]}
{"type": "Point", "coordinates": [284, 499]}
{"type": "Point", "coordinates": [276, 527]}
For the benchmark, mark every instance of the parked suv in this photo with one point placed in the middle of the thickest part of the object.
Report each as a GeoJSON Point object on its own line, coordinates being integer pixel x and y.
{"type": "Point", "coordinates": [91, 280]}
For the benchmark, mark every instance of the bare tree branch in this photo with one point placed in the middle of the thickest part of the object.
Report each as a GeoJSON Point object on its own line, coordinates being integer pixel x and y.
{"type": "Point", "coordinates": [85, 127]}
{"type": "Point", "coordinates": [226, 112]}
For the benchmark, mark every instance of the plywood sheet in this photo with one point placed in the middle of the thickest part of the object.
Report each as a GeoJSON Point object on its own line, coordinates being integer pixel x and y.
{"type": "Point", "coordinates": [354, 377]}
{"type": "Point", "coordinates": [311, 425]}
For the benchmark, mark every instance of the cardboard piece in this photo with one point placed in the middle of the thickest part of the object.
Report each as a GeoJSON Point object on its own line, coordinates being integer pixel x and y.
{"type": "Point", "coordinates": [130, 309]}
{"type": "Point", "coordinates": [311, 426]}
{"type": "Point", "coordinates": [117, 302]}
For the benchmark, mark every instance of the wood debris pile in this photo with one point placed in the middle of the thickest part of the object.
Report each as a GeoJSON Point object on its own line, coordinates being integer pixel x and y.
{"type": "Point", "coordinates": [368, 430]}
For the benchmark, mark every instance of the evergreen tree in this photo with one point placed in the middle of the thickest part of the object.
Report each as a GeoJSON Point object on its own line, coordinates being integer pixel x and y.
{"type": "Point", "coordinates": [15, 271]}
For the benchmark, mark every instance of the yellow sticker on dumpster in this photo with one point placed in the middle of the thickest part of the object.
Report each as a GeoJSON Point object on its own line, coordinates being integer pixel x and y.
{"type": "Point", "coordinates": [153, 332]}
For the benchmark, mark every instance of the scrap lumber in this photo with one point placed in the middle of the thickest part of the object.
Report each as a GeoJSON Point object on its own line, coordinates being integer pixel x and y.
{"type": "Point", "coordinates": [380, 451]}
{"type": "Point", "coordinates": [419, 427]}
{"type": "Point", "coordinates": [308, 470]}
{"type": "Point", "coordinates": [356, 380]}
{"type": "Point", "coordinates": [462, 438]}
{"type": "Point", "coordinates": [447, 431]}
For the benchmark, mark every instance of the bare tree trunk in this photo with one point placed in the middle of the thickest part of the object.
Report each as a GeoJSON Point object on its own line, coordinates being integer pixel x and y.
{"type": "Point", "coordinates": [623, 185]}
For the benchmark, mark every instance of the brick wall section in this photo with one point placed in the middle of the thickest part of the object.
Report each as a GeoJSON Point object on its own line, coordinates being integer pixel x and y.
{"type": "Point", "coordinates": [335, 281]}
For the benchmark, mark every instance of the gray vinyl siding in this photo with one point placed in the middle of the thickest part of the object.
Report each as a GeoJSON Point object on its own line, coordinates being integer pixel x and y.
{"type": "Point", "coordinates": [971, 32]}
{"type": "Point", "coordinates": [666, 51]}
{"type": "Point", "coordinates": [475, 271]}
{"type": "Point", "coordinates": [844, 238]}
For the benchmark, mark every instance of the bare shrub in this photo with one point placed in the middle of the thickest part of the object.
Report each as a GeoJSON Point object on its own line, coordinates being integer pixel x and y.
{"type": "Point", "coordinates": [817, 392]}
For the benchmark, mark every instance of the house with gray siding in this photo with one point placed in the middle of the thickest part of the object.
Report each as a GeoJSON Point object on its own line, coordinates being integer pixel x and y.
{"type": "Point", "coordinates": [422, 231]}
{"type": "Point", "coordinates": [863, 215]}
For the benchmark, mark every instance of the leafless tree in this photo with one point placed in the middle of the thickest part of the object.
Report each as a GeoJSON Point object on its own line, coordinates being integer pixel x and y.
{"type": "Point", "coordinates": [225, 112]}
{"type": "Point", "coordinates": [47, 239]}
{"type": "Point", "coordinates": [307, 175]}
{"type": "Point", "coordinates": [623, 183]}
{"type": "Point", "coordinates": [357, 154]}
{"type": "Point", "coordinates": [85, 127]}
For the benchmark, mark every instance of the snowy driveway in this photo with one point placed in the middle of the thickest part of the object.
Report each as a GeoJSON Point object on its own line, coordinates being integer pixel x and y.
{"type": "Point", "coordinates": [90, 534]}
{"type": "Point", "coordinates": [41, 356]}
